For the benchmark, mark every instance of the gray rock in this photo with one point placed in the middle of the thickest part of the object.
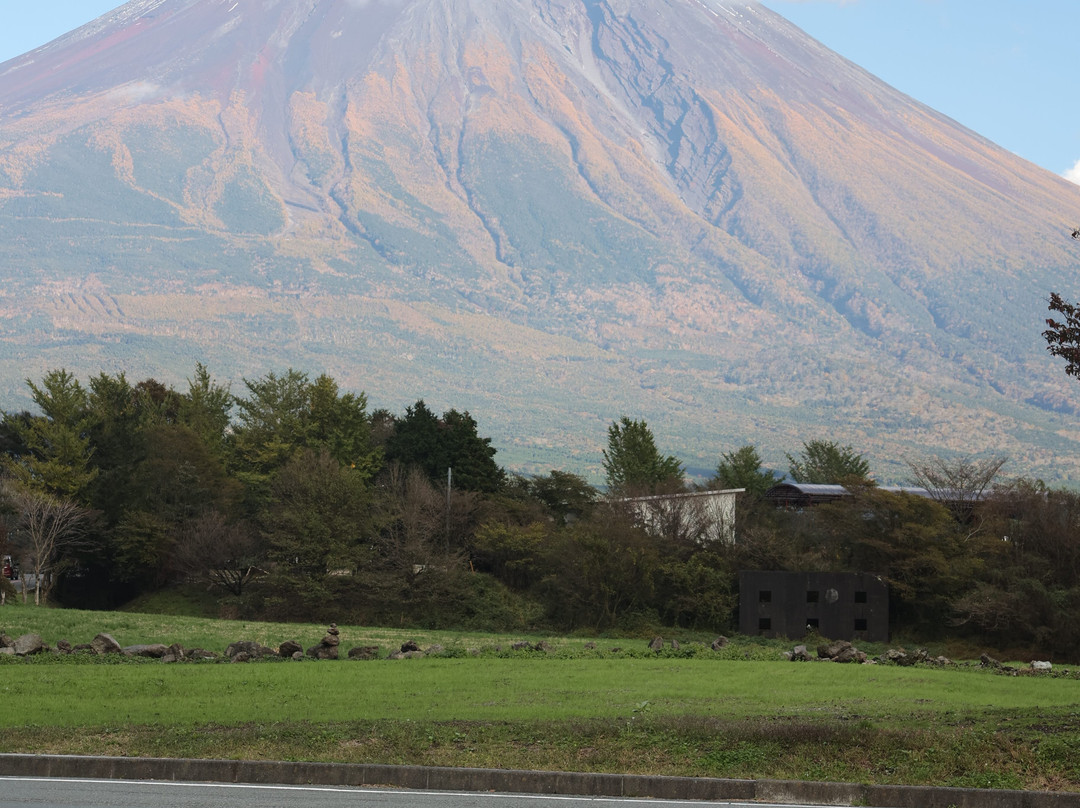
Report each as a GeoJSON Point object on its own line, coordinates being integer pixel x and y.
{"type": "Point", "coordinates": [719, 643]}
{"type": "Point", "coordinates": [322, 651]}
{"type": "Point", "coordinates": [105, 644]}
{"type": "Point", "coordinates": [241, 656]}
{"type": "Point", "coordinates": [290, 647]}
{"type": "Point", "coordinates": [657, 643]}
{"type": "Point", "coordinates": [1038, 665]}
{"type": "Point", "coordinates": [29, 644]}
{"type": "Point", "coordinates": [800, 653]}
{"type": "Point", "coordinates": [849, 653]}
{"type": "Point", "coordinates": [831, 650]}
{"type": "Point", "coordinates": [151, 651]}
{"type": "Point", "coordinates": [363, 652]}
{"type": "Point", "coordinates": [63, 647]}
{"type": "Point", "coordinates": [253, 649]}
{"type": "Point", "coordinates": [409, 646]}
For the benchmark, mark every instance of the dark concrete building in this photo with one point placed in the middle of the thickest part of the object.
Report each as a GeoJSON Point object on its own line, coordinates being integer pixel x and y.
{"type": "Point", "coordinates": [837, 605]}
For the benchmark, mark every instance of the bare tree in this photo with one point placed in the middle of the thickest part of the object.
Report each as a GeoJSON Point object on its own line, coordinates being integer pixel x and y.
{"type": "Point", "coordinates": [958, 484]}
{"type": "Point", "coordinates": [46, 528]}
{"type": "Point", "coordinates": [208, 548]}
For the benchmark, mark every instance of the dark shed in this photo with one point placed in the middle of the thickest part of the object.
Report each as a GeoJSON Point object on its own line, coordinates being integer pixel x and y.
{"type": "Point", "coordinates": [837, 605]}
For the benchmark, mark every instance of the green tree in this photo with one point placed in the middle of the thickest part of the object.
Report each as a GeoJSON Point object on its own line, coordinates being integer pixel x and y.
{"type": "Point", "coordinates": [602, 571]}
{"type": "Point", "coordinates": [271, 423]}
{"type": "Point", "coordinates": [632, 463]}
{"type": "Point", "coordinates": [57, 442]}
{"type": "Point", "coordinates": [283, 414]}
{"type": "Point", "coordinates": [318, 517]}
{"type": "Point", "coordinates": [742, 468]}
{"type": "Point", "coordinates": [828, 463]}
{"type": "Point", "coordinates": [206, 409]}
{"type": "Point", "coordinates": [436, 445]}
{"type": "Point", "coordinates": [564, 495]}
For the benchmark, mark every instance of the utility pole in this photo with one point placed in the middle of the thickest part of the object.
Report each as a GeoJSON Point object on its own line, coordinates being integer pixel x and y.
{"type": "Point", "coordinates": [449, 486]}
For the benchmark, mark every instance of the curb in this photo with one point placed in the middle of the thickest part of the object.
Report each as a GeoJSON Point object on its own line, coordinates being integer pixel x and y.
{"type": "Point", "coordinates": [517, 781]}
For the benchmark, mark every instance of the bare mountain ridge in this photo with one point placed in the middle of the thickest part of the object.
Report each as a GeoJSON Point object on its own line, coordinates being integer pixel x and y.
{"type": "Point", "coordinates": [552, 212]}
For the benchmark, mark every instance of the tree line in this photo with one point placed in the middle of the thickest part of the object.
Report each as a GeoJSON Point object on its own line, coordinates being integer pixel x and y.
{"type": "Point", "coordinates": [292, 500]}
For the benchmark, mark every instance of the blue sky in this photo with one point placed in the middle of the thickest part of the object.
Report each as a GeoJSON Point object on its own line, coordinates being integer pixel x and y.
{"type": "Point", "coordinates": [1005, 68]}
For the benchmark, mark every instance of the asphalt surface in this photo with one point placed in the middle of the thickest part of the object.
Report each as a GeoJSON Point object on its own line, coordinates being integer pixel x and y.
{"type": "Point", "coordinates": [57, 780]}
{"type": "Point", "coordinates": [18, 792]}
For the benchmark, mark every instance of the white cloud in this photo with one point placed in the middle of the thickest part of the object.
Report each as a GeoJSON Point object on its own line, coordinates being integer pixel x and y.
{"type": "Point", "coordinates": [1073, 174]}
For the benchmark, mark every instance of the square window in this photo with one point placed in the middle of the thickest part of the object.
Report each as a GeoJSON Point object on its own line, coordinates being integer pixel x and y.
{"type": "Point", "coordinates": [860, 597]}
{"type": "Point", "coordinates": [765, 596]}
{"type": "Point", "coordinates": [764, 623]}
{"type": "Point", "coordinates": [812, 597]}
{"type": "Point", "coordinates": [860, 624]}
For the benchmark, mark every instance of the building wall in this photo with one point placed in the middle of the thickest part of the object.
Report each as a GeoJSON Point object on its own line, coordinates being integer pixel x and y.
{"type": "Point", "coordinates": [837, 605]}
{"type": "Point", "coordinates": [700, 517]}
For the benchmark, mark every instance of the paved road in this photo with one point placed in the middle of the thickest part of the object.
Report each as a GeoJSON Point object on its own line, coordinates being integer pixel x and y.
{"type": "Point", "coordinates": [17, 792]}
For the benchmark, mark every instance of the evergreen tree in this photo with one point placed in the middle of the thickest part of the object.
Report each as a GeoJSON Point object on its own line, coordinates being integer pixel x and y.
{"type": "Point", "coordinates": [437, 445]}
{"type": "Point", "coordinates": [742, 468]}
{"type": "Point", "coordinates": [632, 463]}
{"type": "Point", "coordinates": [57, 442]}
{"type": "Point", "coordinates": [828, 463]}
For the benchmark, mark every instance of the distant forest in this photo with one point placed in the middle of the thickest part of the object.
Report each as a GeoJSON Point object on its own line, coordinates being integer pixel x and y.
{"type": "Point", "coordinates": [290, 500]}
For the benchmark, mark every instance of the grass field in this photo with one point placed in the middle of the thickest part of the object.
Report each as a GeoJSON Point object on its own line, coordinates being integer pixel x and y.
{"type": "Point", "coordinates": [741, 712]}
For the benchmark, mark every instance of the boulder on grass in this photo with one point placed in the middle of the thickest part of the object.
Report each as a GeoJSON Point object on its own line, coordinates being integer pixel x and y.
{"type": "Point", "coordinates": [105, 644]}
{"type": "Point", "coordinates": [29, 644]}
{"type": "Point", "coordinates": [288, 648]}
{"type": "Point", "coordinates": [151, 651]}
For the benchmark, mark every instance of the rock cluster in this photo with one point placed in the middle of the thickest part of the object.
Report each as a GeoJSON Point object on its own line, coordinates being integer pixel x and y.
{"type": "Point", "coordinates": [844, 651]}
{"type": "Point", "coordinates": [328, 645]}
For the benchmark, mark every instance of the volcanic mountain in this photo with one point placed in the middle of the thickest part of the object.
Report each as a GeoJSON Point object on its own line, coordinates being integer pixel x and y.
{"type": "Point", "coordinates": [548, 212]}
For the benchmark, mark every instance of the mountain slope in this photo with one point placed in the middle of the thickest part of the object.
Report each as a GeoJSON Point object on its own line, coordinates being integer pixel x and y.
{"type": "Point", "coordinates": [551, 212]}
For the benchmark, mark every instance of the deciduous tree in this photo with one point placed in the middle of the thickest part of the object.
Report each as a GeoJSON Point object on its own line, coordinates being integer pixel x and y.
{"type": "Point", "coordinates": [46, 528]}
{"type": "Point", "coordinates": [1063, 336]}
{"type": "Point", "coordinates": [960, 483]}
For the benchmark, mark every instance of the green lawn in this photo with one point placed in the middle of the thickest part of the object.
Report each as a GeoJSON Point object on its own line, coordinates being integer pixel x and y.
{"type": "Point", "coordinates": [738, 713]}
